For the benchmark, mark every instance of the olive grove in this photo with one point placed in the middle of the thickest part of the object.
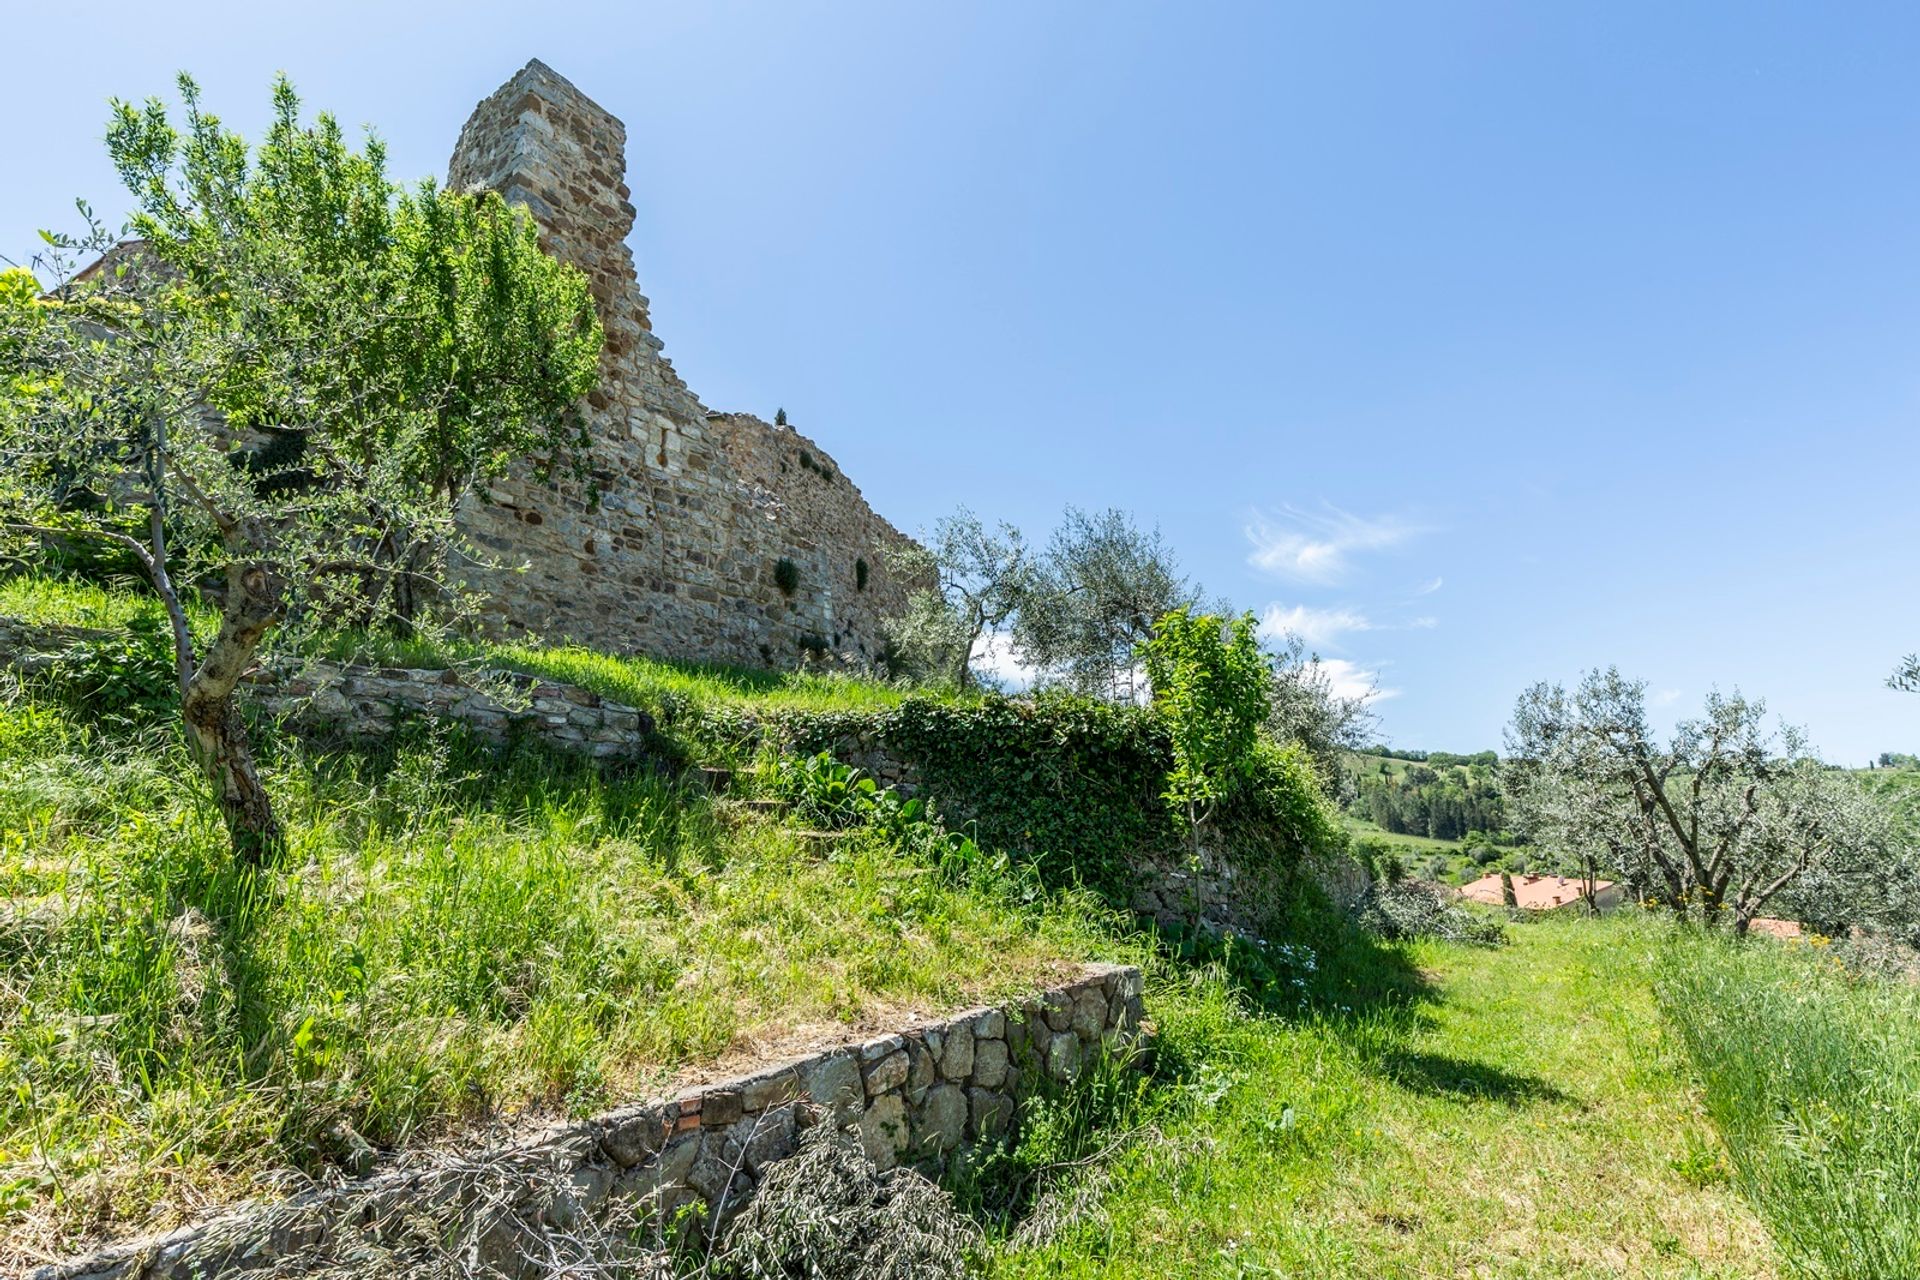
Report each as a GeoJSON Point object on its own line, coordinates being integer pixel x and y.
{"type": "Point", "coordinates": [1715, 822]}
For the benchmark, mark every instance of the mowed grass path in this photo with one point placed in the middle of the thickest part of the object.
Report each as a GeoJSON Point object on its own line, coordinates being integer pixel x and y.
{"type": "Point", "coordinates": [1527, 1116]}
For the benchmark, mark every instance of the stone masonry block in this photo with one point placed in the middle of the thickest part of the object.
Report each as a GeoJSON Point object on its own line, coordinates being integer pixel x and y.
{"type": "Point", "coordinates": [956, 1056]}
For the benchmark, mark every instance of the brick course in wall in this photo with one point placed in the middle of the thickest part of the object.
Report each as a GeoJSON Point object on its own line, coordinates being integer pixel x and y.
{"type": "Point", "coordinates": [671, 547]}
{"type": "Point", "coordinates": [916, 1095]}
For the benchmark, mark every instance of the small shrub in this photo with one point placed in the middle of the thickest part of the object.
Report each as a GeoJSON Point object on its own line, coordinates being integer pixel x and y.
{"type": "Point", "coordinates": [824, 792]}
{"type": "Point", "coordinates": [779, 417]}
{"type": "Point", "coordinates": [828, 1211]}
{"type": "Point", "coordinates": [1412, 909]}
{"type": "Point", "coordinates": [786, 574]}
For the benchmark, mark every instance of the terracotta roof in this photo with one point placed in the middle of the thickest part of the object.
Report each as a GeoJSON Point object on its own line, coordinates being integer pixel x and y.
{"type": "Point", "coordinates": [1533, 893]}
{"type": "Point", "coordinates": [1774, 928]}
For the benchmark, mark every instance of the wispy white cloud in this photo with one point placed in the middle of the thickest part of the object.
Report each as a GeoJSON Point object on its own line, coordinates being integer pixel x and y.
{"type": "Point", "coordinates": [1324, 626]}
{"type": "Point", "coordinates": [1427, 589]}
{"type": "Point", "coordinates": [1314, 626]}
{"type": "Point", "coordinates": [1351, 680]}
{"type": "Point", "coordinates": [1319, 546]}
{"type": "Point", "coordinates": [1665, 697]}
{"type": "Point", "coordinates": [999, 663]}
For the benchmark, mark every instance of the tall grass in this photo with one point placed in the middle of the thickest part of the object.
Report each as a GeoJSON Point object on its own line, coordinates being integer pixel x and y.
{"type": "Point", "coordinates": [1812, 1076]}
{"type": "Point", "coordinates": [655, 684]}
{"type": "Point", "coordinates": [456, 931]}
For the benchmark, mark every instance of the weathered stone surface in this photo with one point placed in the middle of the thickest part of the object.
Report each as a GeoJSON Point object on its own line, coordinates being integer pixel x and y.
{"type": "Point", "coordinates": [941, 1124]}
{"type": "Point", "coordinates": [584, 1188]}
{"type": "Point", "coordinates": [721, 1107]}
{"type": "Point", "coordinates": [495, 710]}
{"type": "Point", "coordinates": [834, 1082]}
{"type": "Point", "coordinates": [990, 1063]}
{"type": "Point", "coordinates": [922, 1068]}
{"type": "Point", "coordinates": [1063, 1058]}
{"type": "Point", "coordinates": [956, 1055]}
{"type": "Point", "coordinates": [768, 1137]}
{"type": "Point", "coordinates": [633, 1137]}
{"type": "Point", "coordinates": [710, 1173]}
{"type": "Point", "coordinates": [887, 1074]}
{"type": "Point", "coordinates": [771, 1089]}
{"type": "Point", "coordinates": [880, 1046]}
{"type": "Point", "coordinates": [883, 1131]}
{"type": "Point", "coordinates": [669, 1170]}
{"type": "Point", "coordinates": [991, 1112]}
{"type": "Point", "coordinates": [1089, 1013]}
{"type": "Point", "coordinates": [709, 1143]}
{"type": "Point", "coordinates": [673, 548]}
{"type": "Point", "coordinates": [1056, 1008]}
{"type": "Point", "coordinates": [990, 1025]}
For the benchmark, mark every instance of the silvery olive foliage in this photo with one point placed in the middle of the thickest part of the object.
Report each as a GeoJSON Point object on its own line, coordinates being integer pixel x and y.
{"type": "Point", "coordinates": [1304, 707]}
{"type": "Point", "coordinates": [1715, 822]}
{"type": "Point", "coordinates": [827, 1211]}
{"type": "Point", "coordinates": [1098, 592]}
{"type": "Point", "coordinates": [978, 578]}
{"type": "Point", "coordinates": [1072, 613]}
{"type": "Point", "coordinates": [279, 390]}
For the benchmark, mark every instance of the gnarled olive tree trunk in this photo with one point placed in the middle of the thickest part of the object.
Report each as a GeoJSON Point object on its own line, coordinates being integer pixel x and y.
{"type": "Point", "coordinates": [215, 732]}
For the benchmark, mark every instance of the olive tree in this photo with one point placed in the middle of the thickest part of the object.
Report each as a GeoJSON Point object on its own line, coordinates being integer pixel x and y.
{"type": "Point", "coordinates": [1304, 707]}
{"type": "Point", "coordinates": [280, 391]}
{"type": "Point", "coordinates": [977, 579]}
{"type": "Point", "coordinates": [1716, 821]}
{"type": "Point", "coordinates": [1906, 677]}
{"type": "Point", "coordinates": [1100, 590]}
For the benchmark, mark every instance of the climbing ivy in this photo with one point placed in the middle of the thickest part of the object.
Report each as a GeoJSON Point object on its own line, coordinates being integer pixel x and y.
{"type": "Point", "coordinates": [1070, 785]}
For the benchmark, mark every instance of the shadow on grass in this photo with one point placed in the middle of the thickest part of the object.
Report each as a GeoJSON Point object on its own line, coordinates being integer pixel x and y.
{"type": "Point", "coordinates": [1317, 963]}
{"type": "Point", "coordinates": [1441, 1075]}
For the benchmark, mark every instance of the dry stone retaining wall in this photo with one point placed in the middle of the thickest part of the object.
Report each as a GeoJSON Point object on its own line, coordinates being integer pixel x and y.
{"type": "Point", "coordinates": [370, 701]}
{"type": "Point", "coordinates": [914, 1096]}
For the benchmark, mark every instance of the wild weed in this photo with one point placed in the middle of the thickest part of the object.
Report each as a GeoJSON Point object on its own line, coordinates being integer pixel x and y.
{"type": "Point", "coordinates": [1813, 1079]}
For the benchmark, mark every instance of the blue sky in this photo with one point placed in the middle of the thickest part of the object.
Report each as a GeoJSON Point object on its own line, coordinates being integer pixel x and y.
{"type": "Point", "coordinates": [1484, 342]}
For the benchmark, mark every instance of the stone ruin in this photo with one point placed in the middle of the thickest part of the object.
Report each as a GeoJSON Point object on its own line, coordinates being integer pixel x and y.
{"type": "Point", "coordinates": [674, 546]}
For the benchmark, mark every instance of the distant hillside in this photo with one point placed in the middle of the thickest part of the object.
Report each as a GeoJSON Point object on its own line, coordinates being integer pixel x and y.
{"type": "Point", "coordinates": [1437, 795]}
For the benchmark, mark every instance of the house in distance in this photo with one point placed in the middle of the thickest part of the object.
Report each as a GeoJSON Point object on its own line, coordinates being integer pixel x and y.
{"type": "Point", "coordinates": [1545, 893]}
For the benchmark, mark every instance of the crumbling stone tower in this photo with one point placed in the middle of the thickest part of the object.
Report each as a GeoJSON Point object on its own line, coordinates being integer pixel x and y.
{"type": "Point", "coordinates": [675, 547]}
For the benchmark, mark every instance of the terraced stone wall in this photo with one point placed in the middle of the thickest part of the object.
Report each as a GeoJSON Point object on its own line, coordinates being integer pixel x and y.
{"type": "Point", "coordinates": [916, 1095]}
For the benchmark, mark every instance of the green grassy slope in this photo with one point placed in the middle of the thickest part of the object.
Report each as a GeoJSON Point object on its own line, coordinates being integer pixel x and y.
{"type": "Point", "coordinates": [1522, 1114]}
{"type": "Point", "coordinates": [455, 930]}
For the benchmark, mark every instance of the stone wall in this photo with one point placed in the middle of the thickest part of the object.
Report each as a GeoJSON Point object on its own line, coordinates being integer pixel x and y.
{"type": "Point", "coordinates": [913, 1096]}
{"type": "Point", "coordinates": [1166, 886]}
{"type": "Point", "coordinates": [671, 547]}
{"type": "Point", "coordinates": [370, 701]}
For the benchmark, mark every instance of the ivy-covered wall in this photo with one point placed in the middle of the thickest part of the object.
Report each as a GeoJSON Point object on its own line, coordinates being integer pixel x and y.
{"type": "Point", "coordinates": [1073, 787]}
